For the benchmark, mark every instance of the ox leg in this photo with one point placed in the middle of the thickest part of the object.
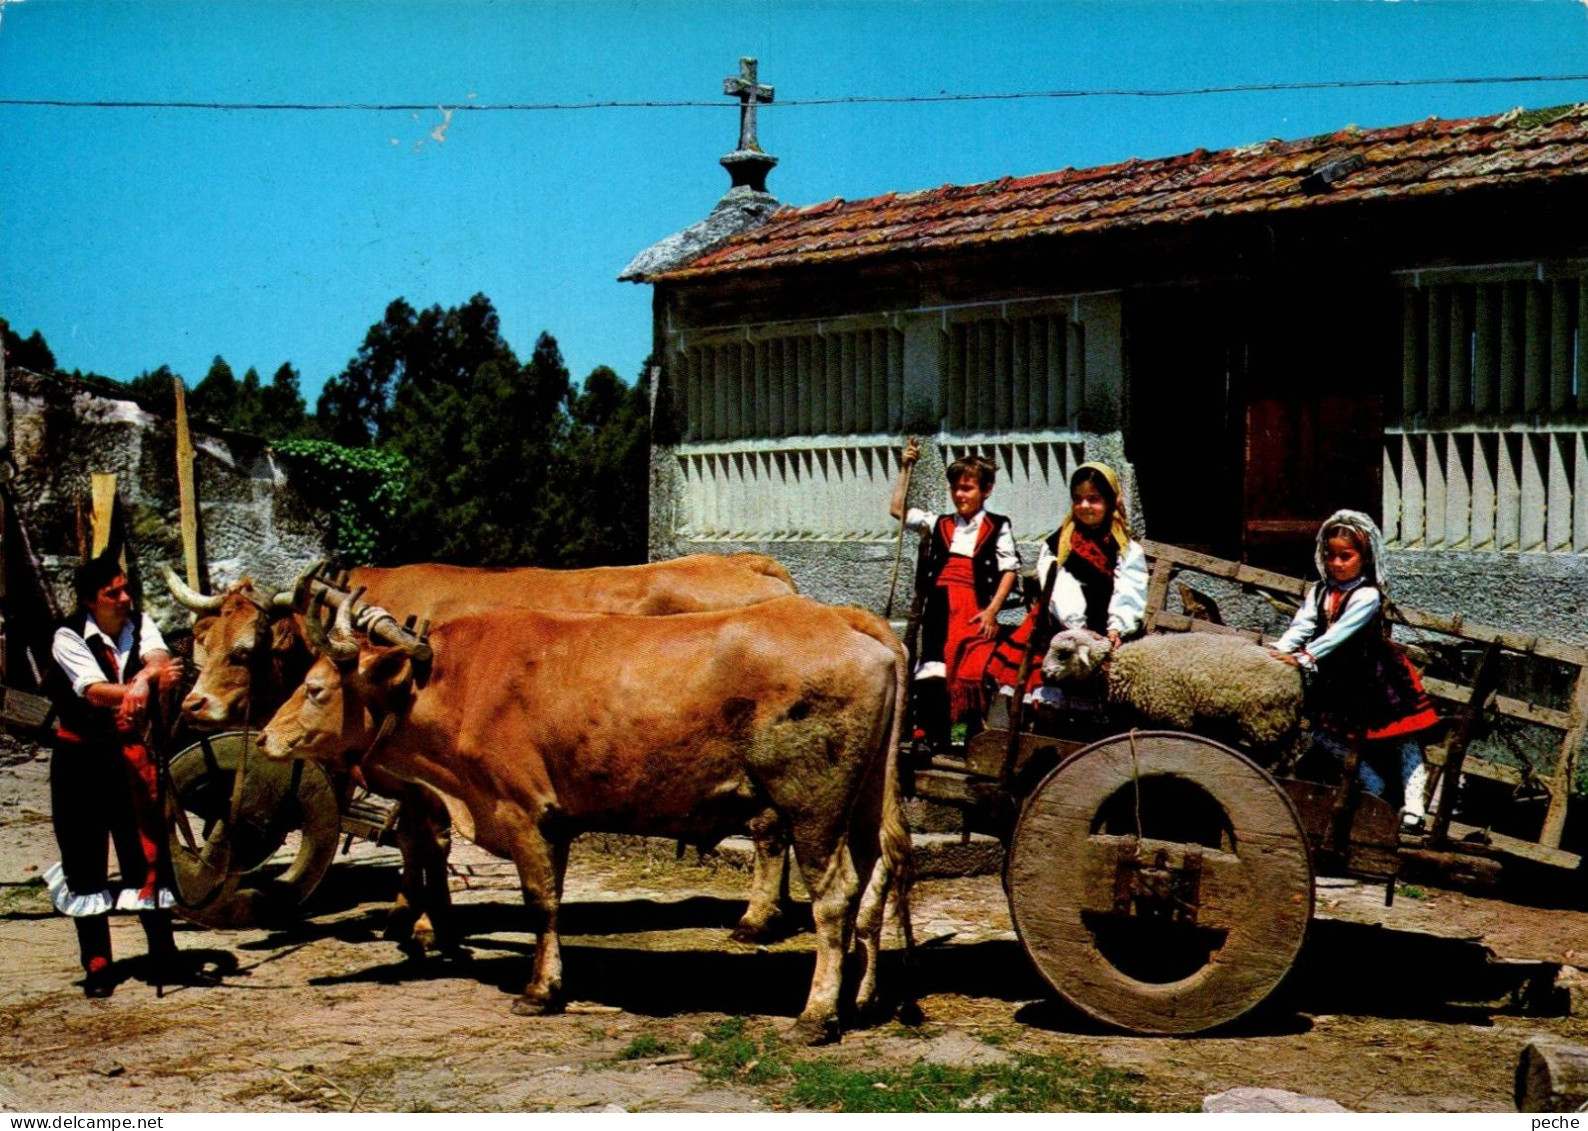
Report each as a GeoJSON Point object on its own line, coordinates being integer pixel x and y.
{"type": "Point", "coordinates": [762, 919]}
{"type": "Point", "coordinates": [868, 937]}
{"type": "Point", "coordinates": [432, 834]}
{"type": "Point", "coordinates": [409, 904]}
{"type": "Point", "coordinates": [541, 866]}
{"type": "Point", "coordinates": [834, 885]}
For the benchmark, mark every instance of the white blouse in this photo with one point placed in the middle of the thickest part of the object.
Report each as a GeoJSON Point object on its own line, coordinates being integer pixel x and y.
{"type": "Point", "coordinates": [1126, 608]}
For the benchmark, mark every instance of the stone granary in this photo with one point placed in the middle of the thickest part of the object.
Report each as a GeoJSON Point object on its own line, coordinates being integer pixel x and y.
{"type": "Point", "coordinates": [1384, 319]}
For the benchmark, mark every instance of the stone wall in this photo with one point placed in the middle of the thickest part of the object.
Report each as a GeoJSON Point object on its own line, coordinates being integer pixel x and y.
{"type": "Point", "coordinates": [251, 521]}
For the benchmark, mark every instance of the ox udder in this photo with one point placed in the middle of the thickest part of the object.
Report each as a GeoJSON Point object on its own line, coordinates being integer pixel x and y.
{"type": "Point", "coordinates": [786, 710]}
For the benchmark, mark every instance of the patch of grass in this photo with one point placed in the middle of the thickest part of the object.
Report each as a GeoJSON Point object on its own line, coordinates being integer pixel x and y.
{"type": "Point", "coordinates": [642, 1047]}
{"type": "Point", "coordinates": [1410, 891]}
{"type": "Point", "coordinates": [28, 896]}
{"type": "Point", "coordinates": [1032, 1083]}
{"type": "Point", "coordinates": [833, 1082]}
{"type": "Point", "coordinates": [731, 1051]}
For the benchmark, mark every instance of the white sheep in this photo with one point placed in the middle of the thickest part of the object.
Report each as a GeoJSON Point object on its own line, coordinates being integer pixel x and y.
{"type": "Point", "coordinates": [1212, 683]}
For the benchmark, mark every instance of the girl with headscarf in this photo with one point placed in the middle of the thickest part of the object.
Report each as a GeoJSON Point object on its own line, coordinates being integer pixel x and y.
{"type": "Point", "coordinates": [1104, 584]}
{"type": "Point", "coordinates": [1361, 688]}
{"type": "Point", "coordinates": [1102, 581]}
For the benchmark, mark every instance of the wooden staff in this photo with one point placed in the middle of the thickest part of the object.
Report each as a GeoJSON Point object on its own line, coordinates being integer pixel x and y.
{"type": "Point", "coordinates": [898, 549]}
{"type": "Point", "coordinates": [1006, 774]}
{"type": "Point", "coordinates": [187, 501]}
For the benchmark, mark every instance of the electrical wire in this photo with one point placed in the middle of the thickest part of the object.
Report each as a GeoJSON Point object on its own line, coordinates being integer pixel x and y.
{"type": "Point", "coordinates": [854, 100]}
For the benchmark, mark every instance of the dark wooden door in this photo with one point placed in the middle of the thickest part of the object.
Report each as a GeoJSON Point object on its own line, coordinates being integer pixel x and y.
{"type": "Point", "coordinates": [1307, 457]}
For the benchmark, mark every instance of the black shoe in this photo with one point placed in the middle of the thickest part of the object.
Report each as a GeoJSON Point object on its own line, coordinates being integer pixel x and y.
{"type": "Point", "coordinates": [99, 983]}
{"type": "Point", "coordinates": [177, 969]}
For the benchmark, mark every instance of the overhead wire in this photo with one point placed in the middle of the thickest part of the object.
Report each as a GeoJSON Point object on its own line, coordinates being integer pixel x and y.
{"type": "Point", "coordinates": [847, 100]}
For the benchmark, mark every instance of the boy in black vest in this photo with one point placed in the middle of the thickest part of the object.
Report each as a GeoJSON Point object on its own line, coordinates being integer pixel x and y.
{"type": "Point", "coordinates": [967, 567]}
{"type": "Point", "coordinates": [102, 778]}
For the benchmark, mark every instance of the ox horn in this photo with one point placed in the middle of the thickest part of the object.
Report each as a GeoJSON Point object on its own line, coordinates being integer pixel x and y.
{"type": "Point", "coordinates": [290, 598]}
{"type": "Point", "coordinates": [193, 599]}
{"type": "Point", "coordinates": [340, 643]}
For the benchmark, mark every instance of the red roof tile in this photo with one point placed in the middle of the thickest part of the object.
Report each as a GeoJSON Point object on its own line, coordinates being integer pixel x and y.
{"type": "Point", "coordinates": [1412, 160]}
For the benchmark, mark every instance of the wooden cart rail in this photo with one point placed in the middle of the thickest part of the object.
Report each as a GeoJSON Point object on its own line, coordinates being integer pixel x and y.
{"type": "Point", "coordinates": [1167, 562]}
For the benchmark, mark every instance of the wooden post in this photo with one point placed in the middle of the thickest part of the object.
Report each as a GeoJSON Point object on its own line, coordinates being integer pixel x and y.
{"type": "Point", "coordinates": [1565, 775]}
{"type": "Point", "coordinates": [1552, 1076]}
{"type": "Point", "coordinates": [104, 512]}
{"type": "Point", "coordinates": [1484, 683]}
{"type": "Point", "coordinates": [187, 499]}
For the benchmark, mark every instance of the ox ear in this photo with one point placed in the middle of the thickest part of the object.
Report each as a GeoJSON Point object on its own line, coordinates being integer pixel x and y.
{"type": "Point", "coordinates": [283, 635]}
{"type": "Point", "coordinates": [388, 672]}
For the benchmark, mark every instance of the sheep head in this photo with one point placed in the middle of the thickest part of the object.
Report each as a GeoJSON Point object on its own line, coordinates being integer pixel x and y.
{"type": "Point", "coordinates": [1074, 654]}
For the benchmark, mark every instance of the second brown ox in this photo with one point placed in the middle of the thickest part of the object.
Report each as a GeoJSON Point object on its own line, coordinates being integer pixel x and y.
{"type": "Point", "coordinates": [251, 654]}
{"type": "Point", "coordinates": [534, 727]}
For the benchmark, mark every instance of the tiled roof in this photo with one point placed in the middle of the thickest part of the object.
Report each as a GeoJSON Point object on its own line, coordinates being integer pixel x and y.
{"type": "Point", "coordinates": [1429, 157]}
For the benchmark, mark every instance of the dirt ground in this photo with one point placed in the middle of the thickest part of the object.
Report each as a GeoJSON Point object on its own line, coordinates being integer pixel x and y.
{"type": "Point", "coordinates": [1401, 1009]}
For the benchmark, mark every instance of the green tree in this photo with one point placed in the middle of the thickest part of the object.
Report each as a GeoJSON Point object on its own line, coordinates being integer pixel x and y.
{"type": "Point", "coordinates": [248, 412]}
{"type": "Point", "coordinates": [353, 405]}
{"type": "Point", "coordinates": [484, 452]}
{"type": "Point", "coordinates": [285, 414]}
{"type": "Point", "coordinates": [608, 463]}
{"type": "Point", "coordinates": [31, 353]}
{"type": "Point", "coordinates": [215, 397]}
{"type": "Point", "coordinates": [158, 387]}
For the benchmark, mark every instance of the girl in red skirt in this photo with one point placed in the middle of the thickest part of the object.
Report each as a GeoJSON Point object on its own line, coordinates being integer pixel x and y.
{"type": "Point", "coordinates": [1361, 688]}
{"type": "Point", "coordinates": [967, 568]}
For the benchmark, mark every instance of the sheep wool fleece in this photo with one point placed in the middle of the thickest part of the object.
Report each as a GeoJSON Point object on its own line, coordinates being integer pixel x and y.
{"type": "Point", "coordinates": [1181, 679]}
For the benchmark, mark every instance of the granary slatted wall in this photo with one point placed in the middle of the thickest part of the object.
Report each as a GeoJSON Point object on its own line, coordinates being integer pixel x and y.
{"type": "Point", "coordinates": [1490, 449]}
{"type": "Point", "coordinates": [791, 431]}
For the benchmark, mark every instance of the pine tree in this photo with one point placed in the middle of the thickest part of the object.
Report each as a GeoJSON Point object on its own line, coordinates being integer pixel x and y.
{"type": "Point", "coordinates": [285, 414]}
{"type": "Point", "coordinates": [215, 398]}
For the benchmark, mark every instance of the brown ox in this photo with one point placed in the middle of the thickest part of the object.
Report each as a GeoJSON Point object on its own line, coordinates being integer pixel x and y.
{"type": "Point", "coordinates": [535, 727]}
{"type": "Point", "coordinates": [251, 655]}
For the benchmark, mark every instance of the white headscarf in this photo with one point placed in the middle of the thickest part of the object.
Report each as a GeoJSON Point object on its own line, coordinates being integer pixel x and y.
{"type": "Point", "coordinates": [1376, 570]}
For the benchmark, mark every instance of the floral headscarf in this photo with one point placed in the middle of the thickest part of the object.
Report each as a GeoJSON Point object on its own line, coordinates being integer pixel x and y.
{"type": "Point", "coordinates": [1375, 570]}
{"type": "Point", "coordinates": [1119, 526]}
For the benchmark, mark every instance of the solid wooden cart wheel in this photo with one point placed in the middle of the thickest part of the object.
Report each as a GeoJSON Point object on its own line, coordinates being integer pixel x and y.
{"type": "Point", "coordinates": [1171, 907]}
{"type": "Point", "coordinates": [236, 877]}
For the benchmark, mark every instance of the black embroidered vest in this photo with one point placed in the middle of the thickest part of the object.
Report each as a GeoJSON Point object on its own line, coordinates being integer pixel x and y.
{"type": "Point", "coordinates": [76, 717]}
{"type": "Point", "coordinates": [984, 563]}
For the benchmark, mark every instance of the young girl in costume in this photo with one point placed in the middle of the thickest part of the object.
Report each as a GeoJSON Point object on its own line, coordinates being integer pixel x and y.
{"type": "Point", "coordinates": [1102, 582]}
{"type": "Point", "coordinates": [967, 567]}
{"type": "Point", "coordinates": [1361, 686]}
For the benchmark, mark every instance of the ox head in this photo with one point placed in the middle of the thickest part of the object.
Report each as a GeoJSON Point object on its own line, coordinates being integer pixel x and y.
{"type": "Point", "coordinates": [248, 651]}
{"type": "Point", "coordinates": [1074, 654]}
{"type": "Point", "coordinates": [355, 687]}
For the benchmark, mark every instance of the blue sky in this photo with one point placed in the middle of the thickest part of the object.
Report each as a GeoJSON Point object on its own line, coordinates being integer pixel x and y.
{"type": "Point", "coordinates": [138, 237]}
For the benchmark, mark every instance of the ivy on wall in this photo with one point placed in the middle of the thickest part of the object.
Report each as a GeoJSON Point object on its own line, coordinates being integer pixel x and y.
{"type": "Point", "coordinates": [361, 489]}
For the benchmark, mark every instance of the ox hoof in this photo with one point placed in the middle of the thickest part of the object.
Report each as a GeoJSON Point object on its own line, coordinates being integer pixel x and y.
{"type": "Point", "coordinates": [526, 1006]}
{"type": "Point", "coordinates": [814, 1031]}
{"type": "Point", "coordinates": [773, 928]}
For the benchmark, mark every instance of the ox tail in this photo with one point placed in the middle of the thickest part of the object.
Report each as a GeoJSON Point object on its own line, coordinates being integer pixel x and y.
{"type": "Point", "coordinates": [897, 849]}
{"type": "Point", "coordinates": [766, 566]}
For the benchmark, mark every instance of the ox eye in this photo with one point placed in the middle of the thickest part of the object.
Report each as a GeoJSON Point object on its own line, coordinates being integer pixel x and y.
{"type": "Point", "coordinates": [240, 655]}
{"type": "Point", "coordinates": [314, 694]}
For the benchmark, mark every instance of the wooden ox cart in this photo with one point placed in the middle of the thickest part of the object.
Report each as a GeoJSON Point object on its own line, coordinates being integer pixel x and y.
{"type": "Point", "coordinates": [1162, 882]}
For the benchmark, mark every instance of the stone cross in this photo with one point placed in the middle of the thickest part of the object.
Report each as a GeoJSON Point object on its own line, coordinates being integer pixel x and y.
{"type": "Point", "coordinates": [749, 94]}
